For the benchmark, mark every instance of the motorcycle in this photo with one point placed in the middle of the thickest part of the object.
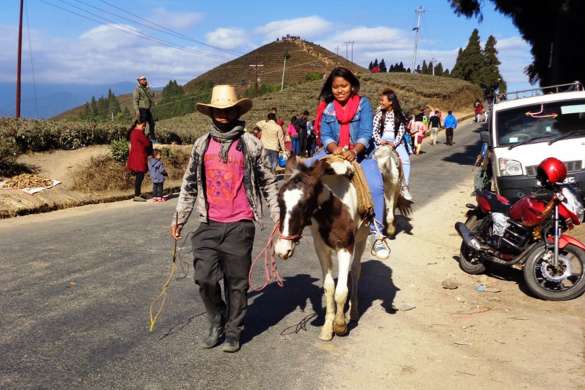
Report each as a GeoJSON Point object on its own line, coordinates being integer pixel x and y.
{"type": "Point", "coordinates": [529, 234]}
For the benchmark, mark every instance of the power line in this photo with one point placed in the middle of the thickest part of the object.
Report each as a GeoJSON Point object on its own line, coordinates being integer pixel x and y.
{"type": "Point", "coordinates": [100, 19]}
{"type": "Point", "coordinates": [162, 28]}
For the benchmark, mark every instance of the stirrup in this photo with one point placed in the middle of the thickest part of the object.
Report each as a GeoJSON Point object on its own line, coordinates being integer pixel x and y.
{"type": "Point", "coordinates": [385, 241]}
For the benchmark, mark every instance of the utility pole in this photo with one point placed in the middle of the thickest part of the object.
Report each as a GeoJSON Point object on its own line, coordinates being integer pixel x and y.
{"type": "Point", "coordinates": [256, 66]}
{"type": "Point", "coordinates": [286, 56]}
{"type": "Point", "coordinates": [19, 61]}
{"type": "Point", "coordinates": [419, 12]}
{"type": "Point", "coordinates": [352, 43]}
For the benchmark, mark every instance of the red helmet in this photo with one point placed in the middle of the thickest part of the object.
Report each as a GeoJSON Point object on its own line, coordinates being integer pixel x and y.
{"type": "Point", "coordinates": [551, 171]}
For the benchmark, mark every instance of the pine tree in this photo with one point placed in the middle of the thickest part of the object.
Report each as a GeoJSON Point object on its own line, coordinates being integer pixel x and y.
{"type": "Point", "coordinates": [113, 103]}
{"type": "Point", "coordinates": [382, 66]}
{"type": "Point", "coordinates": [401, 67]}
{"type": "Point", "coordinates": [408, 70]}
{"type": "Point", "coordinates": [470, 63]}
{"type": "Point", "coordinates": [491, 78]}
{"type": "Point", "coordinates": [446, 73]}
{"type": "Point", "coordinates": [418, 69]}
{"type": "Point", "coordinates": [439, 69]}
{"type": "Point", "coordinates": [370, 66]}
{"type": "Point", "coordinates": [93, 107]}
{"type": "Point", "coordinates": [425, 68]}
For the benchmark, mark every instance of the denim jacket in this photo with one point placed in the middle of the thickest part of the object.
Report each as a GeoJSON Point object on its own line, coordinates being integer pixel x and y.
{"type": "Point", "coordinates": [360, 130]}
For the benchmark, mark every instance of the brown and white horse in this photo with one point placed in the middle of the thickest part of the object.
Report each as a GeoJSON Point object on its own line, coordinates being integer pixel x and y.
{"type": "Point", "coordinates": [324, 198]}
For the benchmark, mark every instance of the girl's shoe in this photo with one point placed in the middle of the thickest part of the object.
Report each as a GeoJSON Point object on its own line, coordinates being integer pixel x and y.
{"type": "Point", "coordinates": [380, 248]}
{"type": "Point", "coordinates": [405, 193]}
{"type": "Point", "coordinates": [139, 199]}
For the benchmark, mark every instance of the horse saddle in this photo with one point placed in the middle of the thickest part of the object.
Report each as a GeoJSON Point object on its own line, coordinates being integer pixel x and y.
{"type": "Point", "coordinates": [354, 172]}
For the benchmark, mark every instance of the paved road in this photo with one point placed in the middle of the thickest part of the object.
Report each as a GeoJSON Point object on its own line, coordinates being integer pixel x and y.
{"type": "Point", "coordinates": [75, 287]}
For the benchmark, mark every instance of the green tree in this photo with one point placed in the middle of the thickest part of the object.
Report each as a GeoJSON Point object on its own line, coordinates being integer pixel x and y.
{"type": "Point", "coordinates": [382, 66]}
{"type": "Point", "coordinates": [491, 80]}
{"type": "Point", "coordinates": [552, 27]}
{"type": "Point", "coordinates": [470, 61]}
{"type": "Point", "coordinates": [425, 68]}
{"type": "Point", "coordinates": [439, 69]}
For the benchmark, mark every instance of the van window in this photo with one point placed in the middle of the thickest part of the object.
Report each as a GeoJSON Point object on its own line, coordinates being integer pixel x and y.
{"type": "Point", "coordinates": [542, 122]}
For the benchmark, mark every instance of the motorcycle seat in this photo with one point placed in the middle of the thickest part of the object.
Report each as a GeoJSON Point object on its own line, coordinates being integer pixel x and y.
{"type": "Point", "coordinates": [497, 203]}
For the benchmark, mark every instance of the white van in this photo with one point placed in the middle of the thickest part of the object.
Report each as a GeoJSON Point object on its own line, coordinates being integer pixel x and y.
{"type": "Point", "coordinates": [526, 130]}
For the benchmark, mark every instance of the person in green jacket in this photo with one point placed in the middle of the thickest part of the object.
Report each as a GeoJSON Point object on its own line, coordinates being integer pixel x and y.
{"type": "Point", "coordinates": [142, 99]}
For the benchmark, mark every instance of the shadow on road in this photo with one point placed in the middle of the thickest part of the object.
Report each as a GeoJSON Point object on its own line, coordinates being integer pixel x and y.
{"type": "Point", "coordinates": [376, 284]}
{"type": "Point", "coordinates": [273, 304]}
{"type": "Point", "coordinates": [466, 157]}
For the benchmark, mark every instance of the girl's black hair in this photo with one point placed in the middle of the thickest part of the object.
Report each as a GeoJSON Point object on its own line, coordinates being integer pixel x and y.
{"type": "Point", "coordinates": [136, 122]}
{"type": "Point", "coordinates": [398, 114]}
{"type": "Point", "coordinates": [293, 119]}
{"type": "Point", "coordinates": [326, 90]}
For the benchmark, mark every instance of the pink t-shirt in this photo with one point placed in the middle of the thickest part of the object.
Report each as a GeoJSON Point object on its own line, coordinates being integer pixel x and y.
{"type": "Point", "coordinates": [226, 194]}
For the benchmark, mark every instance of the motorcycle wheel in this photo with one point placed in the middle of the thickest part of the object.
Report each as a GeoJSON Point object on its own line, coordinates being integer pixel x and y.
{"type": "Point", "coordinates": [469, 260]}
{"type": "Point", "coordinates": [563, 284]}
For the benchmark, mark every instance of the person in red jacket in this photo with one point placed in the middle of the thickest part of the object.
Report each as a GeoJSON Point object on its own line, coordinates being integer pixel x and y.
{"type": "Point", "coordinates": [140, 149]}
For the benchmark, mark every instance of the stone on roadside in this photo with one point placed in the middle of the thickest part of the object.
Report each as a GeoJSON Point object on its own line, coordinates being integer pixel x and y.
{"type": "Point", "coordinates": [450, 284]}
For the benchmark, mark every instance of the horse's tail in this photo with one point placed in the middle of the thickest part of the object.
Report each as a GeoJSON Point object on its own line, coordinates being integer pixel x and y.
{"type": "Point", "coordinates": [404, 205]}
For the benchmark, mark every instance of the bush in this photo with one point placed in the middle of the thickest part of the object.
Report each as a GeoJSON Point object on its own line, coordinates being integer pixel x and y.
{"type": "Point", "coordinates": [312, 76]}
{"type": "Point", "coordinates": [102, 173]}
{"type": "Point", "coordinates": [119, 150]}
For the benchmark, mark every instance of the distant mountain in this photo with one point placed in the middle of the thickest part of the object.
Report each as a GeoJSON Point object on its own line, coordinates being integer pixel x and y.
{"type": "Point", "coordinates": [53, 99]}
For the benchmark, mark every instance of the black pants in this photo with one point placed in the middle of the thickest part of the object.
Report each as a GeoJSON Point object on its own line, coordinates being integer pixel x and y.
{"type": "Point", "coordinates": [224, 251]}
{"type": "Point", "coordinates": [146, 116]}
{"type": "Point", "coordinates": [303, 142]}
{"type": "Point", "coordinates": [449, 135]}
{"type": "Point", "coordinates": [157, 189]}
{"type": "Point", "coordinates": [138, 183]}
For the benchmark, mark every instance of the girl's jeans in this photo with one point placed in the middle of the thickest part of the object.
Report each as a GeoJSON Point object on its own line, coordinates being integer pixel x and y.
{"type": "Point", "coordinates": [375, 182]}
{"type": "Point", "coordinates": [405, 158]}
{"type": "Point", "coordinates": [295, 145]}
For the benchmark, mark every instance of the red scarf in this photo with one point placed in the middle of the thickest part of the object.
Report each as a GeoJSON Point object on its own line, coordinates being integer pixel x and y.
{"type": "Point", "coordinates": [345, 115]}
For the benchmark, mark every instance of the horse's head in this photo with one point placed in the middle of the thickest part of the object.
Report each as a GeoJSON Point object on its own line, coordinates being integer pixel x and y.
{"type": "Point", "coordinates": [298, 199]}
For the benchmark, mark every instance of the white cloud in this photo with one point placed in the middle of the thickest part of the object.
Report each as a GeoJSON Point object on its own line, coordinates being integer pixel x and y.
{"type": "Point", "coordinates": [179, 20]}
{"type": "Point", "coordinates": [107, 53]}
{"type": "Point", "coordinates": [514, 55]}
{"type": "Point", "coordinates": [372, 38]}
{"type": "Point", "coordinates": [305, 27]}
{"type": "Point", "coordinates": [227, 38]}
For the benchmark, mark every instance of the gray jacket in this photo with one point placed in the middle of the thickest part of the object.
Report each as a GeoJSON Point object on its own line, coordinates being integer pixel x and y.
{"type": "Point", "coordinates": [259, 181]}
{"type": "Point", "coordinates": [142, 97]}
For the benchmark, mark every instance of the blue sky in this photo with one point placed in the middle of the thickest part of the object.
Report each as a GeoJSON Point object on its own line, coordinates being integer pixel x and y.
{"type": "Point", "coordinates": [68, 48]}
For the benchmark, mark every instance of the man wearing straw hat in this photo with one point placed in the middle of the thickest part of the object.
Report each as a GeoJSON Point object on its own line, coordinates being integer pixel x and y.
{"type": "Point", "coordinates": [224, 179]}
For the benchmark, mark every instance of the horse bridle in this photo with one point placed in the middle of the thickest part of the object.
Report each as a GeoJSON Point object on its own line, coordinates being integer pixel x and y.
{"type": "Point", "coordinates": [293, 237]}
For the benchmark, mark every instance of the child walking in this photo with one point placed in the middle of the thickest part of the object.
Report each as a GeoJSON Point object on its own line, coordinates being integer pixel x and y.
{"type": "Point", "coordinates": [157, 172]}
{"type": "Point", "coordinates": [227, 173]}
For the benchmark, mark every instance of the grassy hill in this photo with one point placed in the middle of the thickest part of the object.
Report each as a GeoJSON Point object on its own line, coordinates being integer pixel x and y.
{"type": "Point", "coordinates": [303, 58]}
{"type": "Point", "coordinates": [415, 91]}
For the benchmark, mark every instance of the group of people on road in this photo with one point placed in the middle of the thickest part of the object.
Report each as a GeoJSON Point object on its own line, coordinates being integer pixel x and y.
{"type": "Point", "coordinates": [281, 140]}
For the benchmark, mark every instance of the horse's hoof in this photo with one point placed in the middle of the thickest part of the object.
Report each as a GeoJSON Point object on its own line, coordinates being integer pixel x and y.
{"type": "Point", "coordinates": [326, 337]}
{"type": "Point", "coordinates": [340, 329]}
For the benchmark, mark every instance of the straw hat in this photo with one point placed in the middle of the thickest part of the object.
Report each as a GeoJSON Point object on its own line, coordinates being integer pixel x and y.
{"type": "Point", "coordinates": [224, 97]}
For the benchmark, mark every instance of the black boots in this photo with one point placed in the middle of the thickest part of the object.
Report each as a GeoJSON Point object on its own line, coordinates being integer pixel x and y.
{"type": "Point", "coordinates": [214, 337]}
{"type": "Point", "coordinates": [231, 344]}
